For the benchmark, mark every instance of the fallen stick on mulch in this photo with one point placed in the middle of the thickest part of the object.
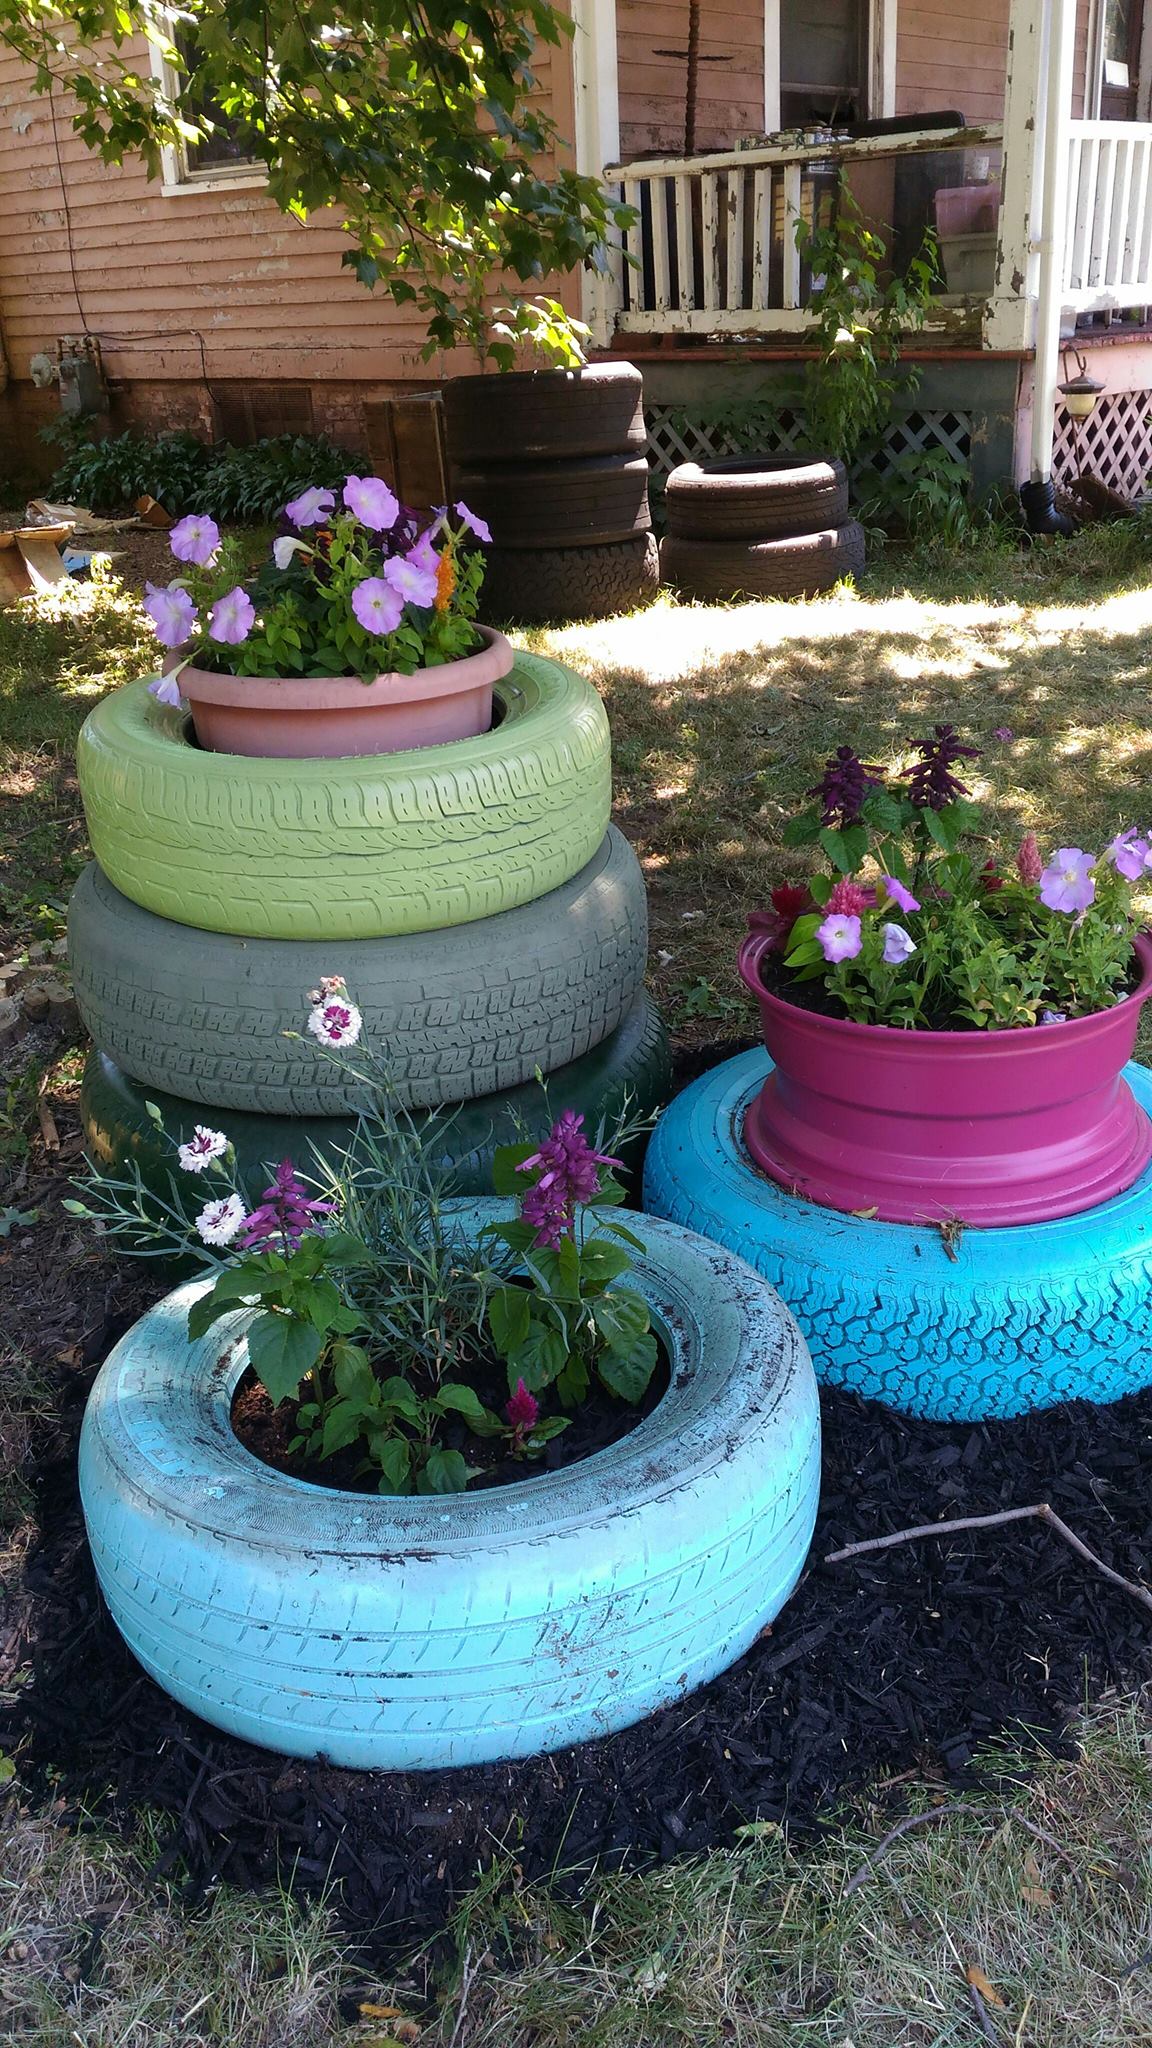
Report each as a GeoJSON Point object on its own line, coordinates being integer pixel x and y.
{"type": "Point", "coordinates": [1039, 1511]}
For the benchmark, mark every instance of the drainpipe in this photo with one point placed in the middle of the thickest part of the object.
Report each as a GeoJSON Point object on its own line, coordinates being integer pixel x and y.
{"type": "Point", "coordinates": [1038, 494]}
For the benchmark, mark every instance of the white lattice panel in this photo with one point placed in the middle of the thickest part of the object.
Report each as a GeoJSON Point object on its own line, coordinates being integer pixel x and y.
{"type": "Point", "coordinates": [1114, 443]}
{"type": "Point", "coordinates": [675, 437]}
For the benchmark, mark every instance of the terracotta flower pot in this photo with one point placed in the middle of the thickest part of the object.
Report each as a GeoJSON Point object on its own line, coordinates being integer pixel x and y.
{"type": "Point", "coordinates": [322, 717]}
{"type": "Point", "coordinates": [989, 1127]}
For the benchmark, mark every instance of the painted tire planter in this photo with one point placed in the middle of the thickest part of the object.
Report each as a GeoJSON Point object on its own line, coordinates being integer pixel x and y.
{"type": "Point", "coordinates": [350, 848]}
{"type": "Point", "coordinates": [451, 1014]}
{"type": "Point", "coordinates": [412, 1634]}
{"type": "Point", "coordinates": [305, 717]}
{"type": "Point", "coordinates": [990, 1127]}
{"type": "Point", "coordinates": [633, 1062]}
{"type": "Point", "coordinates": [994, 1323]}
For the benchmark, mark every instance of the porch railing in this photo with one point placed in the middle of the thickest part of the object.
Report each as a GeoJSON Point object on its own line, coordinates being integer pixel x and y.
{"type": "Point", "coordinates": [1108, 241]}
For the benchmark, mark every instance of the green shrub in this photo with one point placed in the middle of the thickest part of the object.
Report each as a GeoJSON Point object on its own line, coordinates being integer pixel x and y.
{"type": "Point", "coordinates": [187, 475]}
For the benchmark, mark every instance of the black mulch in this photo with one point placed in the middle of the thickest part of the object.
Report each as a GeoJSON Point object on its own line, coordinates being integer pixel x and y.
{"type": "Point", "coordinates": [900, 1663]}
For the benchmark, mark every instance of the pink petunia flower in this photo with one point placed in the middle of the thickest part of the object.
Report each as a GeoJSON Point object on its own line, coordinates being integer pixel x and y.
{"type": "Point", "coordinates": [424, 554]}
{"type": "Point", "coordinates": [172, 613]}
{"type": "Point", "coordinates": [1129, 854]}
{"type": "Point", "coordinates": [898, 946]}
{"type": "Point", "coordinates": [473, 522]}
{"type": "Point", "coordinates": [1066, 883]}
{"type": "Point", "coordinates": [311, 508]}
{"type": "Point", "coordinates": [231, 618]}
{"type": "Point", "coordinates": [373, 502]}
{"type": "Point", "coordinates": [901, 897]}
{"type": "Point", "coordinates": [839, 937]}
{"type": "Point", "coordinates": [195, 539]}
{"type": "Point", "coordinates": [414, 585]}
{"type": "Point", "coordinates": [377, 605]}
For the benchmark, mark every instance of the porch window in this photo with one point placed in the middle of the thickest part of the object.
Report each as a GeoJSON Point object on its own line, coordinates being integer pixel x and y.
{"type": "Point", "coordinates": [823, 61]}
{"type": "Point", "coordinates": [1120, 88]}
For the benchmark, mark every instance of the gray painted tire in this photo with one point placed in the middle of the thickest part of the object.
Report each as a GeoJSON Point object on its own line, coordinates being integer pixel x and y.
{"type": "Point", "coordinates": [450, 1015]}
{"type": "Point", "coordinates": [416, 1633]}
{"type": "Point", "coordinates": [554, 586]}
{"type": "Point", "coordinates": [755, 497]}
{"type": "Point", "coordinates": [362, 847]}
{"type": "Point", "coordinates": [547, 415]}
{"type": "Point", "coordinates": [581, 503]}
{"type": "Point", "coordinates": [803, 567]}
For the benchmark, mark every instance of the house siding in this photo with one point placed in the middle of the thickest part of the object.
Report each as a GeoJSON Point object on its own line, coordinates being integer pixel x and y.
{"type": "Point", "coordinates": [652, 40]}
{"type": "Point", "coordinates": [948, 60]}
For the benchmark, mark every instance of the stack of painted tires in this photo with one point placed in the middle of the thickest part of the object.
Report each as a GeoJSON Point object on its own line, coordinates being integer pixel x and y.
{"type": "Point", "coordinates": [555, 461]}
{"type": "Point", "coordinates": [489, 922]}
{"type": "Point", "coordinates": [759, 526]}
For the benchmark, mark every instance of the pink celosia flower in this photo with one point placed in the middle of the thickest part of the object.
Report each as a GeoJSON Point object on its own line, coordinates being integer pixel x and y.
{"type": "Point", "coordinates": [1029, 865]}
{"type": "Point", "coordinates": [901, 897]}
{"type": "Point", "coordinates": [311, 508]}
{"type": "Point", "coordinates": [231, 618]}
{"type": "Point", "coordinates": [219, 1222]}
{"type": "Point", "coordinates": [195, 539]}
{"type": "Point", "coordinates": [374, 504]}
{"type": "Point", "coordinates": [286, 1211]}
{"type": "Point", "coordinates": [172, 613]}
{"type": "Point", "coordinates": [522, 1410]}
{"type": "Point", "coordinates": [1066, 883]}
{"type": "Point", "coordinates": [898, 946]}
{"type": "Point", "coordinates": [848, 899]}
{"type": "Point", "coordinates": [569, 1171]}
{"type": "Point", "coordinates": [413, 584]}
{"type": "Point", "coordinates": [203, 1148]}
{"type": "Point", "coordinates": [839, 937]}
{"type": "Point", "coordinates": [378, 607]}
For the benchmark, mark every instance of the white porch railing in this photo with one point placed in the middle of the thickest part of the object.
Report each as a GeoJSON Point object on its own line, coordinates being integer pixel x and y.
{"type": "Point", "coordinates": [713, 249]}
{"type": "Point", "coordinates": [1108, 238]}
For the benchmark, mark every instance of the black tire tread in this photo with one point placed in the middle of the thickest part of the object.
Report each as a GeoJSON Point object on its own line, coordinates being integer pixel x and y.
{"type": "Point", "coordinates": [749, 497]}
{"type": "Point", "coordinates": [554, 586]}
{"type": "Point", "coordinates": [800, 567]}
{"type": "Point", "coordinates": [545, 414]}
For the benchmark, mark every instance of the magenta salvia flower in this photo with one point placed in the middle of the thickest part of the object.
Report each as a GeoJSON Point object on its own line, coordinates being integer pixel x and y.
{"type": "Point", "coordinates": [311, 508]}
{"type": "Point", "coordinates": [1029, 865]}
{"type": "Point", "coordinates": [522, 1409]}
{"type": "Point", "coordinates": [474, 523]}
{"type": "Point", "coordinates": [1129, 854]}
{"type": "Point", "coordinates": [231, 618]}
{"type": "Point", "coordinates": [1066, 883]}
{"type": "Point", "coordinates": [844, 786]}
{"type": "Point", "coordinates": [898, 946]}
{"type": "Point", "coordinates": [839, 937]}
{"type": "Point", "coordinates": [569, 1169]}
{"type": "Point", "coordinates": [285, 1211]}
{"type": "Point", "coordinates": [901, 897]}
{"type": "Point", "coordinates": [413, 584]}
{"type": "Point", "coordinates": [373, 501]}
{"type": "Point", "coordinates": [931, 783]}
{"type": "Point", "coordinates": [166, 690]}
{"type": "Point", "coordinates": [195, 539]}
{"type": "Point", "coordinates": [378, 607]}
{"type": "Point", "coordinates": [172, 613]}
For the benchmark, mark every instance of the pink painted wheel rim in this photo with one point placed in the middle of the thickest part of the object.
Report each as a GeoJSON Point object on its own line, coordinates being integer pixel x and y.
{"type": "Point", "coordinates": [989, 1128]}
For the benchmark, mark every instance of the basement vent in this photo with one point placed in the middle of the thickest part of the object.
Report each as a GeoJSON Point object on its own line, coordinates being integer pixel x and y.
{"type": "Point", "coordinates": [245, 413]}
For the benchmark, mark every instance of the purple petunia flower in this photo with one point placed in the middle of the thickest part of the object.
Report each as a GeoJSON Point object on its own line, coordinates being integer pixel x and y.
{"type": "Point", "coordinates": [424, 554]}
{"type": "Point", "coordinates": [231, 618]}
{"type": "Point", "coordinates": [569, 1170]}
{"type": "Point", "coordinates": [898, 946]}
{"type": "Point", "coordinates": [474, 523]}
{"type": "Point", "coordinates": [839, 937]}
{"type": "Point", "coordinates": [901, 897]}
{"type": "Point", "coordinates": [1003, 732]}
{"type": "Point", "coordinates": [286, 1211]}
{"type": "Point", "coordinates": [172, 613]}
{"type": "Point", "coordinates": [415, 585]}
{"type": "Point", "coordinates": [166, 690]}
{"type": "Point", "coordinates": [311, 508]}
{"type": "Point", "coordinates": [378, 607]}
{"type": "Point", "coordinates": [285, 546]}
{"type": "Point", "coordinates": [195, 539]}
{"type": "Point", "coordinates": [1066, 883]}
{"type": "Point", "coordinates": [1129, 854]}
{"type": "Point", "coordinates": [373, 502]}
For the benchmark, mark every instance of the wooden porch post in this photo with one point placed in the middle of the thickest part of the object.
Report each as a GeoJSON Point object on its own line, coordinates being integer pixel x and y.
{"type": "Point", "coordinates": [1008, 324]}
{"type": "Point", "coordinates": [595, 70]}
{"type": "Point", "coordinates": [1053, 234]}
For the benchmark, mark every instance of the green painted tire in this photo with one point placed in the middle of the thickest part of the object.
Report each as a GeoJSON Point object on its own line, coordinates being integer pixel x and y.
{"type": "Point", "coordinates": [633, 1059]}
{"type": "Point", "coordinates": [357, 848]}
{"type": "Point", "coordinates": [448, 1015]}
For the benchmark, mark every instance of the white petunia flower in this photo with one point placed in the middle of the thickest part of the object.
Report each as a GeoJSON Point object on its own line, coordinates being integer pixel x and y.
{"type": "Point", "coordinates": [219, 1222]}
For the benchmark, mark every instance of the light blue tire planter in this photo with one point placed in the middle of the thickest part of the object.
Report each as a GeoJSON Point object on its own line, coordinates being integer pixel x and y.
{"type": "Point", "coordinates": [991, 1324]}
{"type": "Point", "coordinates": [409, 1634]}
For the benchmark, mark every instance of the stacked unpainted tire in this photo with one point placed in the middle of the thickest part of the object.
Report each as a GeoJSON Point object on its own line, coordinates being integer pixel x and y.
{"type": "Point", "coordinates": [489, 921]}
{"type": "Point", "coordinates": [759, 526]}
{"type": "Point", "coordinates": [554, 461]}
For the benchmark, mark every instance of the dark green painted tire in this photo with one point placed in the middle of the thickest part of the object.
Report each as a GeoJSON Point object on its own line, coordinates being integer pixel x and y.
{"type": "Point", "coordinates": [632, 1059]}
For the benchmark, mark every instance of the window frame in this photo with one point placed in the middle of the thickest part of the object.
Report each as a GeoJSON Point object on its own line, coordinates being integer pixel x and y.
{"type": "Point", "coordinates": [177, 174]}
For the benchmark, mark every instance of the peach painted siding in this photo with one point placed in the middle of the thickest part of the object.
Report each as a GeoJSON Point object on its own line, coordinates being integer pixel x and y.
{"type": "Point", "coordinates": [182, 283]}
{"type": "Point", "coordinates": [948, 57]}
{"type": "Point", "coordinates": [652, 39]}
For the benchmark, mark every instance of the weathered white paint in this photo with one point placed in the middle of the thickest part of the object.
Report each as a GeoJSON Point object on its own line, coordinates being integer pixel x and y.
{"type": "Point", "coordinates": [1061, 18]}
{"type": "Point", "coordinates": [1107, 253]}
{"type": "Point", "coordinates": [1009, 320]}
{"type": "Point", "coordinates": [771, 66]}
{"type": "Point", "coordinates": [882, 32]}
{"type": "Point", "coordinates": [596, 122]}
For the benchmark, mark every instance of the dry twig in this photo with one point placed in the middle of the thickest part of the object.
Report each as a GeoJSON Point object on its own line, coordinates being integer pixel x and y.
{"type": "Point", "coordinates": [1039, 1511]}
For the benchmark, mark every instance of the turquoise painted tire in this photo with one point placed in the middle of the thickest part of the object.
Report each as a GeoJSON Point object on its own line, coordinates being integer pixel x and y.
{"type": "Point", "coordinates": [632, 1061]}
{"type": "Point", "coordinates": [356, 848]}
{"type": "Point", "coordinates": [449, 1015]}
{"type": "Point", "coordinates": [390, 1634]}
{"type": "Point", "coordinates": [993, 1324]}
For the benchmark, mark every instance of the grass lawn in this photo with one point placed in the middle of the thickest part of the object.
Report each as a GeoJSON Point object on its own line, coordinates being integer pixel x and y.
{"type": "Point", "coordinates": [721, 719]}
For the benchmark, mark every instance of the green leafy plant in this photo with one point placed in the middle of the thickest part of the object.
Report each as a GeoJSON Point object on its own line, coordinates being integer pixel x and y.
{"type": "Point", "coordinates": [185, 474]}
{"type": "Point", "coordinates": [862, 318]}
